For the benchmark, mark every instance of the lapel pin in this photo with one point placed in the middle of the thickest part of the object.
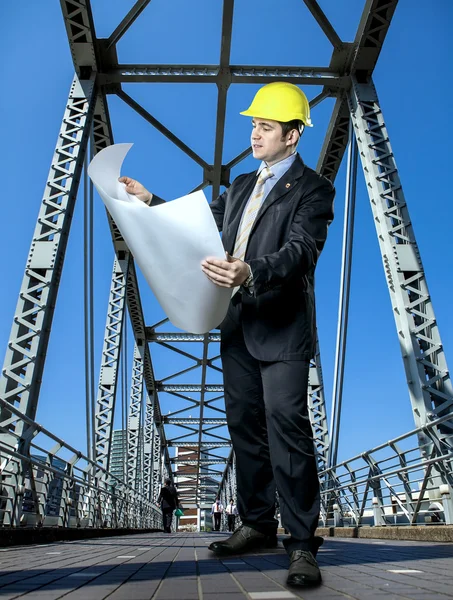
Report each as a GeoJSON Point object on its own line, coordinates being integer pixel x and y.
{"type": "Point", "coordinates": [288, 185]}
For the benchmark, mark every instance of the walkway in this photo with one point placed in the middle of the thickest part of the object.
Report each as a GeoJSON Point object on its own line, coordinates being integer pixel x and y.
{"type": "Point", "coordinates": [180, 567]}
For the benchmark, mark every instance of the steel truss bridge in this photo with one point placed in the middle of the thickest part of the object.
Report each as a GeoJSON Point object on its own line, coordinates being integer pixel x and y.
{"type": "Point", "coordinates": [393, 483]}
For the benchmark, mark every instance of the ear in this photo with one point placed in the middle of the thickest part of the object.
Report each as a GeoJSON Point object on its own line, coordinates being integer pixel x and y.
{"type": "Point", "coordinates": [293, 137]}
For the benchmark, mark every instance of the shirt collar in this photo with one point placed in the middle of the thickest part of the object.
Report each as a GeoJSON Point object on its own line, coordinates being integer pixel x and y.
{"type": "Point", "coordinates": [279, 168]}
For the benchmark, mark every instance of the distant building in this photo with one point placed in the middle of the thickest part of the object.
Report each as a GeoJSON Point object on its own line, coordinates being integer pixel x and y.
{"type": "Point", "coordinates": [196, 515]}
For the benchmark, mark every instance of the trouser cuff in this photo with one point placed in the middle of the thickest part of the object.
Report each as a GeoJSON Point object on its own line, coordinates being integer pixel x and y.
{"type": "Point", "coordinates": [292, 544]}
{"type": "Point", "coordinates": [264, 530]}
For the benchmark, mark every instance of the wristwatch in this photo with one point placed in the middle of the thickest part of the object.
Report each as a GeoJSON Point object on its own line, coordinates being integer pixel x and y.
{"type": "Point", "coordinates": [249, 281]}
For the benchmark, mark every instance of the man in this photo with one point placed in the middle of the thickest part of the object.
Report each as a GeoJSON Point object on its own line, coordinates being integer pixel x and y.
{"type": "Point", "coordinates": [168, 500]}
{"type": "Point", "coordinates": [231, 511]}
{"type": "Point", "coordinates": [216, 512]}
{"type": "Point", "coordinates": [274, 223]}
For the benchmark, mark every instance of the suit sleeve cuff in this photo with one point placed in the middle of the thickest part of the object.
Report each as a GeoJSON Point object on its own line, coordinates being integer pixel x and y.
{"type": "Point", "coordinates": [250, 288]}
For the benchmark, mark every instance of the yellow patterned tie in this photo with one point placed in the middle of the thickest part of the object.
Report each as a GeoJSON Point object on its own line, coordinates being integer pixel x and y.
{"type": "Point", "coordinates": [249, 216]}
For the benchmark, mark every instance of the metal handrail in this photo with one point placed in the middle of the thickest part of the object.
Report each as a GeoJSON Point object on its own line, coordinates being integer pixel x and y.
{"type": "Point", "coordinates": [36, 492]}
{"type": "Point", "coordinates": [366, 488]}
{"type": "Point", "coordinates": [397, 488]}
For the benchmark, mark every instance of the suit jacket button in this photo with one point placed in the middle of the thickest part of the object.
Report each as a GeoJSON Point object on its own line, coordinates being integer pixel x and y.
{"type": "Point", "coordinates": [288, 185]}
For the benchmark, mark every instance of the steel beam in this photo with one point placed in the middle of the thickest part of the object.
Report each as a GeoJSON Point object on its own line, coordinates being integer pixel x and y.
{"type": "Point", "coordinates": [223, 76]}
{"type": "Point", "coordinates": [317, 410]}
{"type": "Point", "coordinates": [108, 377]}
{"type": "Point", "coordinates": [161, 128]}
{"type": "Point", "coordinates": [134, 418]}
{"type": "Point", "coordinates": [222, 88]}
{"type": "Point", "coordinates": [324, 23]}
{"type": "Point", "coordinates": [128, 20]}
{"type": "Point", "coordinates": [78, 21]}
{"type": "Point", "coordinates": [428, 377]}
{"type": "Point", "coordinates": [335, 141]}
{"type": "Point", "coordinates": [359, 58]}
{"type": "Point", "coordinates": [157, 462]}
{"type": "Point", "coordinates": [22, 371]}
{"type": "Point", "coordinates": [87, 52]}
{"type": "Point", "coordinates": [184, 387]}
{"type": "Point", "coordinates": [201, 458]}
{"type": "Point", "coordinates": [196, 462]}
{"type": "Point", "coordinates": [364, 53]}
{"type": "Point", "coordinates": [153, 336]}
{"type": "Point", "coordinates": [148, 434]}
{"type": "Point", "coordinates": [344, 295]}
{"type": "Point", "coordinates": [371, 33]}
{"type": "Point", "coordinates": [194, 422]}
{"type": "Point", "coordinates": [203, 445]}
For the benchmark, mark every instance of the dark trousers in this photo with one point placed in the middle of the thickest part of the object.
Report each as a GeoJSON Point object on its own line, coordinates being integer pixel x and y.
{"type": "Point", "coordinates": [167, 514]}
{"type": "Point", "coordinates": [267, 415]}
{"type": "Point", "coordinates": [217, 521]}
{"type": "Point", "coordinates": [231, 522]}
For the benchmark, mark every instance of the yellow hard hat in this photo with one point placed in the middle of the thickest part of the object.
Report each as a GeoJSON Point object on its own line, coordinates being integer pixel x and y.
{"type": "Point", "coordinates": [280, 101]}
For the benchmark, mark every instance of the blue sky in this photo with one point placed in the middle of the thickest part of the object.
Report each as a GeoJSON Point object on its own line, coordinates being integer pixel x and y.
{"type": "Point", "coordinates": [415, 95]}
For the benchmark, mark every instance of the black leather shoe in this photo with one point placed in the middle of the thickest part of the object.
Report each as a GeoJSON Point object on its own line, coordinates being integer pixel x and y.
{"type": "Point", "coordinates": [244, 539]}
{"type": "Point", "coordinates": [303, 569]}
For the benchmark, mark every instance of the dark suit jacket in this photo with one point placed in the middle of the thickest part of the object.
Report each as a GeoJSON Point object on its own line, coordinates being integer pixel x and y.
{"type": "Point", "coordinates": [278, 319]}
{"type": "Point", "coordinates": [168, 498]}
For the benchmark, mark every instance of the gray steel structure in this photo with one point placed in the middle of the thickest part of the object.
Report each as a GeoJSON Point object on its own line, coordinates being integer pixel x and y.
{"type": "Point", "coordinates": [348, 78]}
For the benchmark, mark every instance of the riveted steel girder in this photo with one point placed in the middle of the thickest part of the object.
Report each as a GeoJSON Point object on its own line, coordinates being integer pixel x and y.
{"type": "Point", "coordinates": [181, 387]}
{"type": "Point", "coordinates": [134, 418]}
{"type": "Point", "coordinates": [179, 337]}
{"type": "Point", "coordinates": [428, 377]}
{"type": "Point", "coordinates": [21, 377]}
{"type": "Point", "coordinates": [148, 432]}
{"type": "Point", "coordinates": [193, 422]}
{"type": "Point", "coordinates": [88, 53]}
{"type": "Point", "coordinates": [108, 378]}
{"type": "Point", "coordinates": [223, 75]}
{"type": "Point", "coordinates": [203, 445]}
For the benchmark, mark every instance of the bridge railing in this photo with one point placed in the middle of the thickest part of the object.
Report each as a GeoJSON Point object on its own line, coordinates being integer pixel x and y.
{"type": "Point", "coordinates": [47, 482]}
{"type": "Point", "coordinates": [406, 481]}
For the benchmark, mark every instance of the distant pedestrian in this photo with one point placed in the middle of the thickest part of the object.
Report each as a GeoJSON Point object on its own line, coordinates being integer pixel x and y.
{"type": "Point", "coordinates": [231, 511]}
{"type": "Point", "coordinates": [216, 511]}
{"type": "Point", "coordinates": [169, 501]}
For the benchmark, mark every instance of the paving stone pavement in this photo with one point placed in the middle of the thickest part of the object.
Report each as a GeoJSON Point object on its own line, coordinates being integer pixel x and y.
{"type": "Point", "coordinates": [158, 566]}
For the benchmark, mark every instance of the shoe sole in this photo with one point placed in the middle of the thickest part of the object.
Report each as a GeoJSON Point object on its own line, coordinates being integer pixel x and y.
{"type": "Point", "coordinates": [226, 552]}
{"type": "Point", "coordinates": [300, 582]}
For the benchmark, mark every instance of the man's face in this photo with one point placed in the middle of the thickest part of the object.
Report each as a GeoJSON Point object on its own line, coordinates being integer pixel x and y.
{"type": "Point", "coordinates": [267, 141]}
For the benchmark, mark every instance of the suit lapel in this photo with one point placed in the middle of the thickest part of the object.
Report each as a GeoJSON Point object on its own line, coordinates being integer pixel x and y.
{"type": "Point", "coordinates": [241, 196]}
{"type": "Point", "coordinates": [283, 186]}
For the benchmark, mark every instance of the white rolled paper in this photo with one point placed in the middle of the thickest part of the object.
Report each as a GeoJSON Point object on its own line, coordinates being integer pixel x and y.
{"type": "Point", "coordinates": [168, 242]}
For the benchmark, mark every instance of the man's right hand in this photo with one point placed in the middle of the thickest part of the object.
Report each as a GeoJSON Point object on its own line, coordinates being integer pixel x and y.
{"type": "Point", "coordinates": [137, 189]}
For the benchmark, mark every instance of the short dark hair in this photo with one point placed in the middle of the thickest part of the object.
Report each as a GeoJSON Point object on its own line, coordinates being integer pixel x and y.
{"type": "Point", "coordinates": [168, 482]}
{"type": "Point", "coordinates": [289, 125]}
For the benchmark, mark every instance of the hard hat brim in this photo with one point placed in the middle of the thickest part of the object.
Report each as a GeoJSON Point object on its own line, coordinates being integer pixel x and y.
{"type": "Point", "coordinates": [249, 113]}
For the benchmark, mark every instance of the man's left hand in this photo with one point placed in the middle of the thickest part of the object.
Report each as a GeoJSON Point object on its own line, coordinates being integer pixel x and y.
{"type": "Point", "coordinates": [228, 273]}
